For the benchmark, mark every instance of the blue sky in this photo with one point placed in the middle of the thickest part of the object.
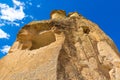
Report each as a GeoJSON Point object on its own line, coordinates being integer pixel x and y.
{"type": "Point", "coordinates": [14, 14]}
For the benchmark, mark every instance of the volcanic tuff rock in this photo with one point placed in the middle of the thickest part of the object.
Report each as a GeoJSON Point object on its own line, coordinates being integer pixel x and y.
{"type": "Point", "coordinates": [62, 48]}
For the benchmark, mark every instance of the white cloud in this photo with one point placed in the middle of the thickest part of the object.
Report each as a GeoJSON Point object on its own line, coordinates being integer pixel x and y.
{"type": "Point", "coordinates": [38, 6]}
{"type": "Point", "coordinates": [31, 16]}
{"type": "Point", "coordinates": [2, 24]}
{"type": "Point", "coordinates": [5, 49]}
{"type": "Point", "coordinates": [30, 3]}
{"type": "Point", "coordinates": [12, 14]}
{"type": "Point", "coordinates": [3, 34]}
{"type": "Point", "coordinates": [18, 3]}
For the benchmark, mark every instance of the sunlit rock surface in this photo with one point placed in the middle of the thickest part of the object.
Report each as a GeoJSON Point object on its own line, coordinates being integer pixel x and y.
{"type": "Point", "coordinates": [62, 48]}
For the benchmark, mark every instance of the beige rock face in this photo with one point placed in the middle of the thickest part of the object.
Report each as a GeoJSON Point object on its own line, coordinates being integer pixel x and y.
{"type": "Point", "coordinates": [62, 48]}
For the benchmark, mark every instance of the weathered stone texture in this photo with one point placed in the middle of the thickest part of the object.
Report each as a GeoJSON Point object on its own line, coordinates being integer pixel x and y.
{"type": "Point", "coordinates": [62, 48]}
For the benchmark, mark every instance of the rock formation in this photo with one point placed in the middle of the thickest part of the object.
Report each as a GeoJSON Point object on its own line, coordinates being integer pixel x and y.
{"type": "Point", "coordinates": [62, 48]}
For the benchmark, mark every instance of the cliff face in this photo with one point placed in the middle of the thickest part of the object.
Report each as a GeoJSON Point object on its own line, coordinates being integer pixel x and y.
{"type": "Point", "coordinates": [62, 48]}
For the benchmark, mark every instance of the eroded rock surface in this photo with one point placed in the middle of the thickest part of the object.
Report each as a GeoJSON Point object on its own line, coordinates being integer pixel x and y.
{"type": "Point", "coordinates": [62, 48]}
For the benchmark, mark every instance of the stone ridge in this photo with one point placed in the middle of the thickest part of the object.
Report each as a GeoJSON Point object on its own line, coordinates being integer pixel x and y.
{"type": "Point", "coordinates": [62, 48]}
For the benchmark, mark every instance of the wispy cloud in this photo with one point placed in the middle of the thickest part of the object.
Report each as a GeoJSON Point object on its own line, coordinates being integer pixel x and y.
{"type": "Point", "coordinates": [29, 2]}
{"type": "Point", "coordinates": [2, 24]}
{"type": "Point", "coordinates": [5, 49]}
{"type": "Point", "coordinates": [38, 6]}
{"type": "Point", "coordinates": [3, 34]}
{"type": "Point", "coordinates": [18, 3]}
{"type": "Point", "coordinates": [12, 14]}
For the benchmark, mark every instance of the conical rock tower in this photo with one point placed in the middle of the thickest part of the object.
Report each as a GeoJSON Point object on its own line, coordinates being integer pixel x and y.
{"type": "Point", "coordinates": [62, 48]}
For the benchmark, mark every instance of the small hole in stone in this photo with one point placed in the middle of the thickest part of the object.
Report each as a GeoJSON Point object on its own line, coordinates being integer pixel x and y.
{"type": "Point", "coordinates": [86, 29]}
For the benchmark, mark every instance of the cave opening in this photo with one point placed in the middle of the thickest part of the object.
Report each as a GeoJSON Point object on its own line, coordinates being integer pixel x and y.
{"type": "Point", "coordinates": [43, 39]}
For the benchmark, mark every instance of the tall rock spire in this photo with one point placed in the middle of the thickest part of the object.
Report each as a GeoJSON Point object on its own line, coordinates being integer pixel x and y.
{"type": "Point", "coordinates": [62, 48]}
